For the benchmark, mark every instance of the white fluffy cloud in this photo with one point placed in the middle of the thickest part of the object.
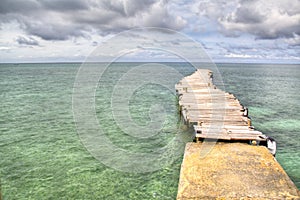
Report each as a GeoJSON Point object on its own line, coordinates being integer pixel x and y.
{"type": "Point", "coordinates": [266, 19]}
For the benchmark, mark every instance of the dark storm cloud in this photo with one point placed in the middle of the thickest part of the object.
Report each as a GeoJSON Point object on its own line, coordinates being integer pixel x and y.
{"type": "Point", "coordinates": [65, 5]}
{"type": "Point", "coordinates": [18, 6]}
{"type": "Point", "coordinates": [53, 31]}
{"type": "Point", "coordinates": [27, 41]}
{"type": "Point", "coordinates": [21, 6]}
{"type": "Point", "coordinates": [63, 19]}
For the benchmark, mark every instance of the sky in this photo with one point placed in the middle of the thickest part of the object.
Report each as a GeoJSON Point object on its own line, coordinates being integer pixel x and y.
{"type": "Point", "coordinates": [259, 31]}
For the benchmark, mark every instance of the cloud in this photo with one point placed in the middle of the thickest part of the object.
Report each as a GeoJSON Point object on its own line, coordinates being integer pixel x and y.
{"type": "Point", "coordinates": [5, 48]}
{"type": "Point", "coordinates": [159, 16]}
{"type": "Point", "coordinates": [127, 7]}
{"type": "Point", "coordinates": [266, 19]}
{"type": "Point", "coordinates": [295, 41]}
{"type": "Point", "coordinates": [64, 19]}
{"type": "Point", "coordinates": [232, 55]}
{"type": "Point", "coordinates": [27, 41]}
{"type": "Point", "coordinates": [227, 29]}
{"type": "Point", "coordinates": [65, 5]}
{"type": "Point", "coordinates": [18, 6]}
{"type": "Point", "coordinates": [53, 31]}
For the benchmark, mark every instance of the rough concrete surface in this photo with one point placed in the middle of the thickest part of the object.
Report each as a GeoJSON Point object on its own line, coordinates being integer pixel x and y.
{"type": "Point", "coordinates": [233, 171]}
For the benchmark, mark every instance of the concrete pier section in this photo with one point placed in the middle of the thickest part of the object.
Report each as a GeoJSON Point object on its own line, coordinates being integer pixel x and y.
{"type": "Point", "coordinates": [233, 171]}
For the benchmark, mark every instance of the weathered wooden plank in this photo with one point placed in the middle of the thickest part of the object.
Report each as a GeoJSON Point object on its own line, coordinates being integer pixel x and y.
{"type": "Point", "coordinates": [226, 121]}
{"type": "Point", "coordinates": [226, 127]}
{"type": "Point", "coordinates": [230, 137]}
{"type": "Point", "coordinates": [213, 108]}
{"type": "Point", "coordinates": [212, 115]}
{"type": "Point", "coordinates": [227, 131]}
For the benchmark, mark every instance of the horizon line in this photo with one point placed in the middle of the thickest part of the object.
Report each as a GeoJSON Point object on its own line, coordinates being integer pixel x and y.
{"type": "Point", "coordinates": [219, 62]}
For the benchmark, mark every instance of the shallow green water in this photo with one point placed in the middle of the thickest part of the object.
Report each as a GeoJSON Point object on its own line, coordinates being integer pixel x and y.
{"type": "Point", "coordinates": [272, 94]}
{"type": "Point", "coordinates": [43, 158]}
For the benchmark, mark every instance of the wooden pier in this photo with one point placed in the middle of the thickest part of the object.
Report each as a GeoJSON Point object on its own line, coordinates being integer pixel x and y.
{"type": "Point", "coordinates": [214, 113]}
{"type": "Point", "coordinates": [233, 168]}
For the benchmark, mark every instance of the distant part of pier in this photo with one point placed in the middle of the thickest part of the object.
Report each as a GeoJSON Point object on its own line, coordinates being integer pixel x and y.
{"type": "Point", "coordinates": [214, 114]}
{"type": "Point", "coordinates": [236, 167]}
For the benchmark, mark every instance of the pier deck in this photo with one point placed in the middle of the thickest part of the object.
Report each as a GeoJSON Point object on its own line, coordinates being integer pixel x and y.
{"type": "Point", "coordinates": [227, 170]}
{"type": "Point", "coordinates": [213, 113]}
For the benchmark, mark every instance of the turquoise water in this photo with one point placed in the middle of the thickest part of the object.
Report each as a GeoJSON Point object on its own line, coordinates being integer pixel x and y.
{"type": "Point", "coordinates": [42, 156]}
{"type": "Point", "coordinates": [272, 94]}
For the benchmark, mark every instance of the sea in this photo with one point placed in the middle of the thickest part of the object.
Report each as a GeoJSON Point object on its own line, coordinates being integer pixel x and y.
{"type": "Point", "coordinates": [50, 150]}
